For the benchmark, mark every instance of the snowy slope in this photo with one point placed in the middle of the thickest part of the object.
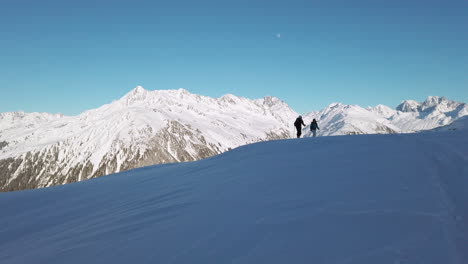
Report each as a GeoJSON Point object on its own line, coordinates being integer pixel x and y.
{"type": "Point", "coordinates": [349, 199]}
{"type": "Point", "coordinates": [142, 128]}
{"type": "Point", "coordinates": [459, 124]}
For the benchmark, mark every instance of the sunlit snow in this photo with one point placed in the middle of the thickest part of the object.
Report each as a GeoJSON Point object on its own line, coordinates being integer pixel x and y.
{"type": "Point", "coordinates": [363, 199]}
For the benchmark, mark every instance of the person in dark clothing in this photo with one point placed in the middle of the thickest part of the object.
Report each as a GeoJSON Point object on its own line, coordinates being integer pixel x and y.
{"type": "Point", "coordinates": [298, 124]}
{"type": "Point", "coordinates": [314, 127]}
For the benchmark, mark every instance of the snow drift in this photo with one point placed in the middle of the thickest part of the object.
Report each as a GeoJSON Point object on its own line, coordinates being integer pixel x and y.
{"type": "Point", "coordinates": [347, 199]}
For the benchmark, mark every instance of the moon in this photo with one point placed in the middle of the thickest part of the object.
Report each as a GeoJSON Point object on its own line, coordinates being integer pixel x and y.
{"type": "Point", "coordinates": [278, 35]}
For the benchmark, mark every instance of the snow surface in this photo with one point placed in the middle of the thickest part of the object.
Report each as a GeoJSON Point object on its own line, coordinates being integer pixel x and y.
{"type": "Point", "coordinates": [397, 198]}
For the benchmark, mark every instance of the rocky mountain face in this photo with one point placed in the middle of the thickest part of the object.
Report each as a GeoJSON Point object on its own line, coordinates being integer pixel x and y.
{"type": "Point", "coordinates": [142, 128]}
{"type": "Point", "coordinates": [164, 126]}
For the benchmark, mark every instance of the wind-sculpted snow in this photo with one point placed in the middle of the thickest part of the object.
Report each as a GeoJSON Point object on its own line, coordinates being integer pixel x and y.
{"type": "Point", "coordinates": [349, 199]}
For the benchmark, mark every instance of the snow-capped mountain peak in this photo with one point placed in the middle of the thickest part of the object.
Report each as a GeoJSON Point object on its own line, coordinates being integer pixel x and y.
{"type": "Point", "coordinates": [433, 112]}
{"type": "Point", "coordinates": [138, 89]}
{"type": "Point", "coordinates": [383, 110]}
{"type": "Point", "coordinates": [434, 100]}
{"type": "Point", "coordinates": [229, 98]}
{"type": "Point", "coordinates": [136, 94]}
{"type": "Point", "coordinates": [431, 103]}
{"type": "Point", "coordinates": [440, 104]}
{"type": "Point", "coordinates": [342, 119]}
{"type": "Point", "coordinates": [141, 128]}
{"type": "Point", "coordinates": [334, 105]}
{"type": "Point", "coordinates": [271, 101]}
{"type": "Point", "coordinates": [408, 106]}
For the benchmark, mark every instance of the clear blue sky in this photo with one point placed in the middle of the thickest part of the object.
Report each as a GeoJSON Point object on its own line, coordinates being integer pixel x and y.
{"type": "Point", "coordinates": [70, 56]}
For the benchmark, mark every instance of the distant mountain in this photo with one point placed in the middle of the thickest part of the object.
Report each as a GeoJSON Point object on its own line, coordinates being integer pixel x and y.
{"type": "Point", "coordinates": [142, 128]}
{"type": "Point", "coordinates": [433, 112]}
{"type": "Point", "coordinates": [340, 119]}
{"type": "Point", "coordinates": [409, 116]}
{"type": "Point", "coordinates": [163, 126]}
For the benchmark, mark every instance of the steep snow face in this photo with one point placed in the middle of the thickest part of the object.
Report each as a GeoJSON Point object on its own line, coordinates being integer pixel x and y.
{"type": "Point", "coordinates": [142, 128]}
{"type": "Point", "coordinates": [350, 199]}
{"type": "Point", "coordinates": [340, 119]}
{"type": "Point", "coordinates": [459, 124]}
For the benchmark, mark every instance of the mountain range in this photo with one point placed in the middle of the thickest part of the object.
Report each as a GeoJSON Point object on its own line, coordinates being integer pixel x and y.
{"type": "Point", "coordinates": [410, 116]}
{"type": "Point", "coordinates": [165, 126]}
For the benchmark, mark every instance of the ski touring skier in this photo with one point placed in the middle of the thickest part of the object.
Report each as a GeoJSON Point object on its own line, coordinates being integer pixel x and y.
{"type": "Point", "coordinates": [314, 127]}
{"type": "Point", "coordinates": [298, 124]}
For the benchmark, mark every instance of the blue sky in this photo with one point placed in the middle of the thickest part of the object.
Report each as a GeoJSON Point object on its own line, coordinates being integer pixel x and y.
{"type": "Point", "coordinates": [70, 56]}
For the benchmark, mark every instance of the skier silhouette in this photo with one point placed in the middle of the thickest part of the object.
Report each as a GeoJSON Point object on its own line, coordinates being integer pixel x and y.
{"type": "Point", "coordinates": [298, 124]}
{"type": "Point", "coordinates": [314, 127]}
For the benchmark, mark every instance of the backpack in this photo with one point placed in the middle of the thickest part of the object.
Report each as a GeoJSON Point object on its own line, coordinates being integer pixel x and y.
{"type": "Point", "coordinates": [313, 125]}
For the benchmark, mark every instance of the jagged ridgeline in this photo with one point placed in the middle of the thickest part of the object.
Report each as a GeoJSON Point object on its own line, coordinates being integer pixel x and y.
{"type": "Point", "coordinates": [142, 128]}
{"type": "Point", "coordinates": [409, 116]}
{"type": "Point", "coordinates": [163, 126]}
